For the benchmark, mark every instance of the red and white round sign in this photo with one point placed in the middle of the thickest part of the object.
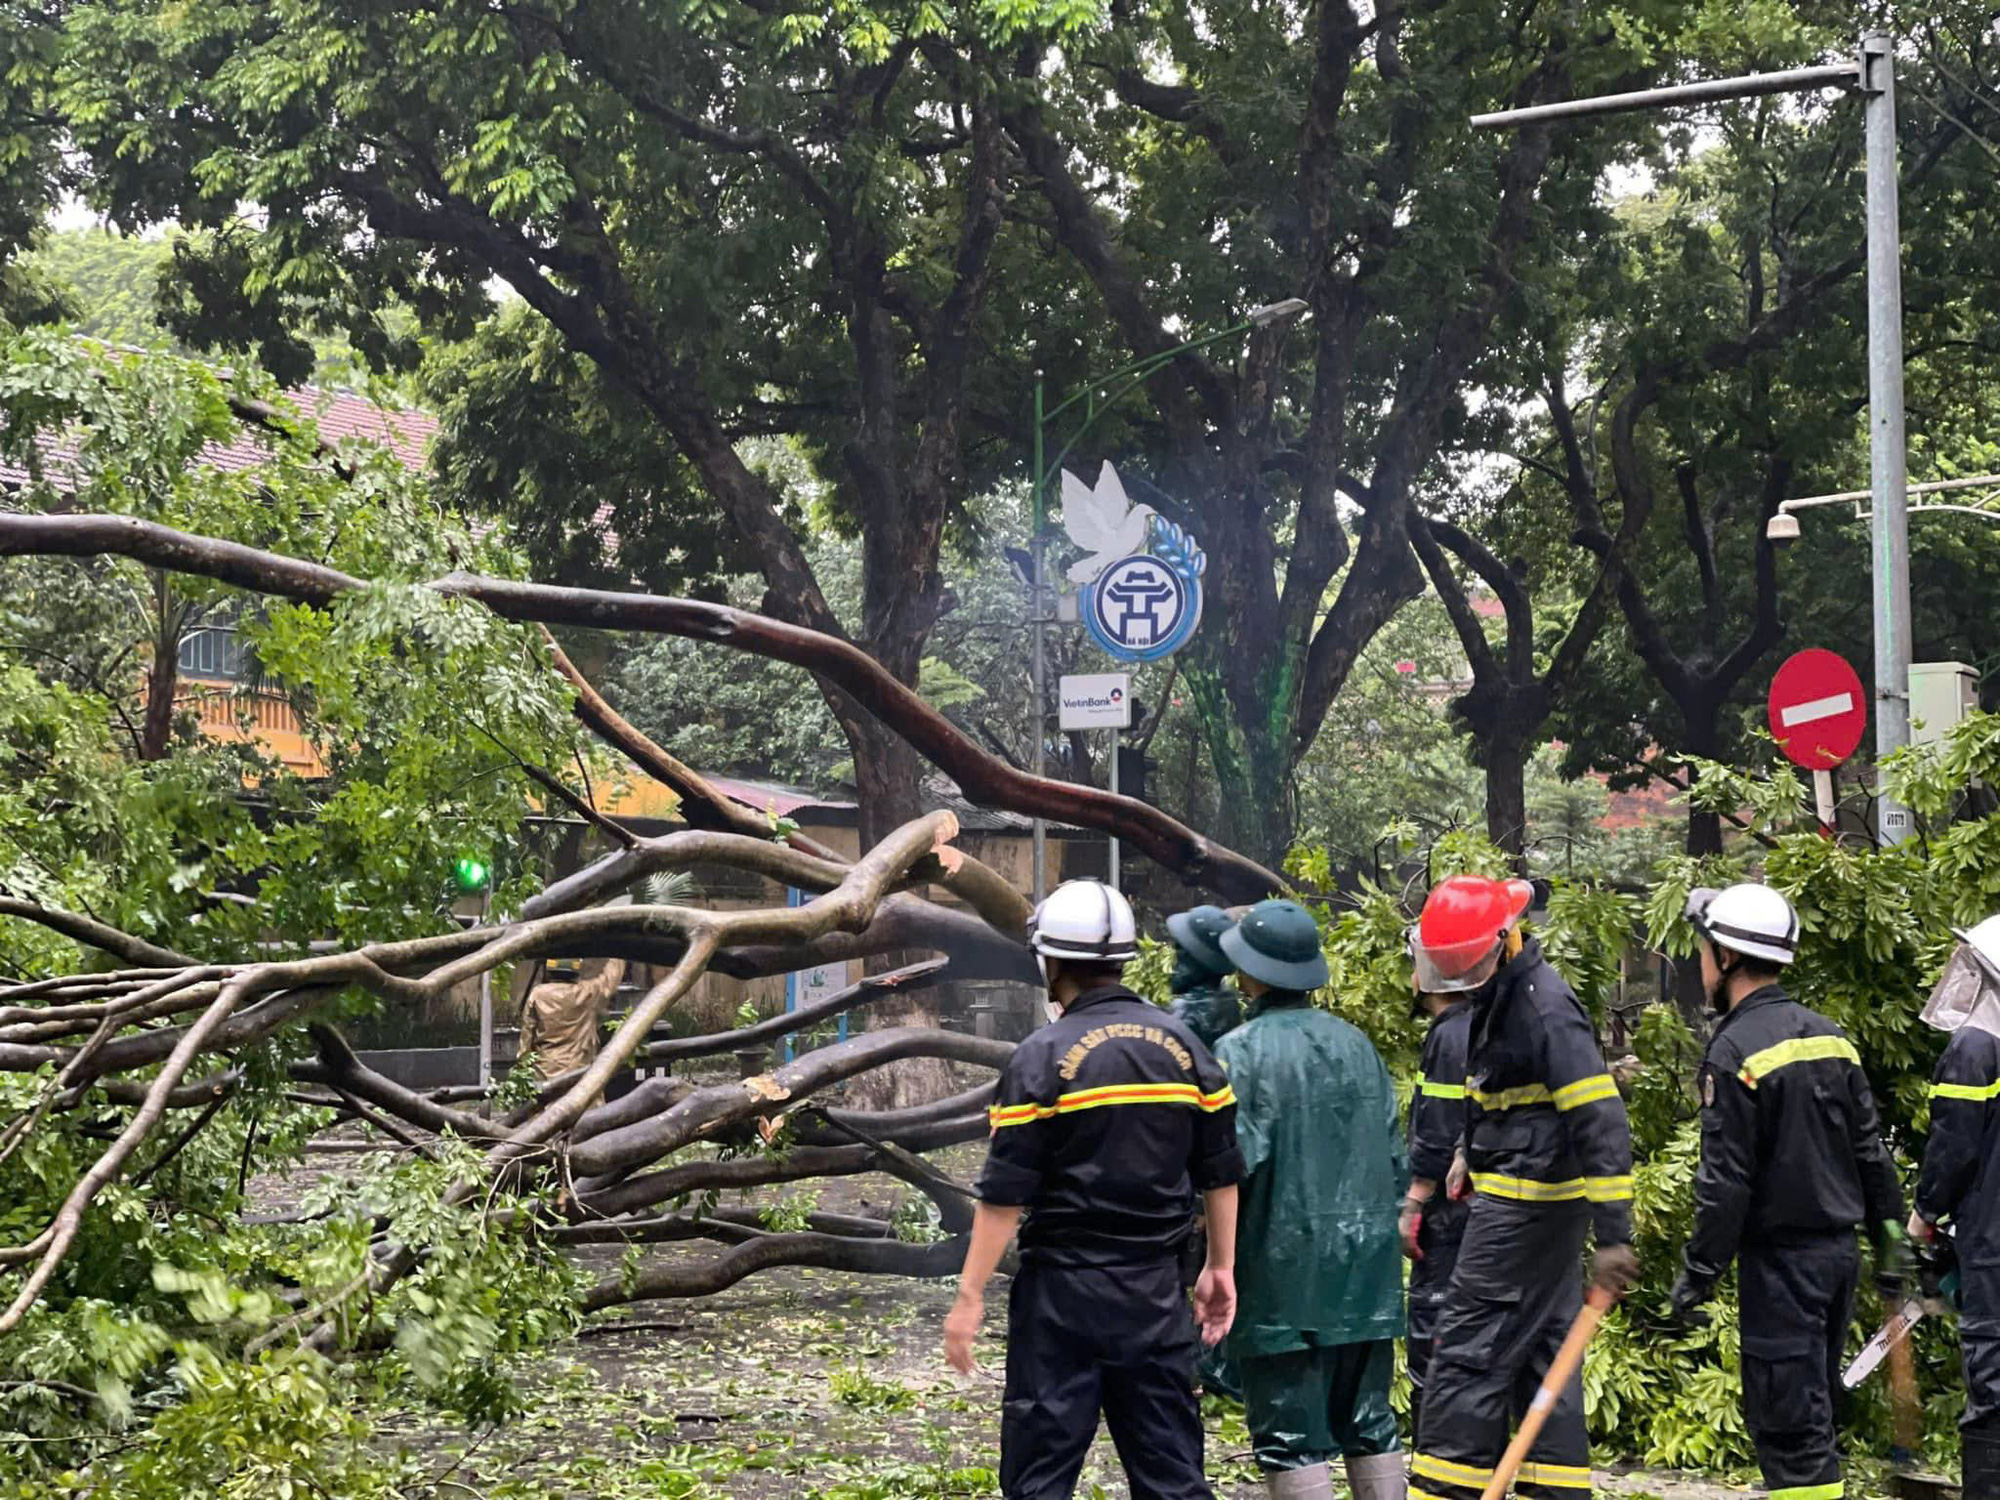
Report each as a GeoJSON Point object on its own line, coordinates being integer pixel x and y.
{"type": "Point", "coordinates": [1818, 709]}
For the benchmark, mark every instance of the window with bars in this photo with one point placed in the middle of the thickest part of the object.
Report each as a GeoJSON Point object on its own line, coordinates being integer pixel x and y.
{"type": "Point", "coordinates": [217, 652]}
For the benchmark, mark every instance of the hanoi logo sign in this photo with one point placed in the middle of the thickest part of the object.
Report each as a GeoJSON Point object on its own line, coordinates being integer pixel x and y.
{"type": "Point", "coordinates": [1141, 605]}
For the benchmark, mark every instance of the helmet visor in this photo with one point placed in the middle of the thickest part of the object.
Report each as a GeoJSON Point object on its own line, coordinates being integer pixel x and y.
{"type": "Point", "coordinates": [1450, 971]}
{"type": "Point", "coordinates": [1966, 995]}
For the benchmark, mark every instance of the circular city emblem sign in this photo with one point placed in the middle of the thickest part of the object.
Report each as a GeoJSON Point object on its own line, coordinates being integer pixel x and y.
{"type": "Point", "coordinates": [1142, 608]}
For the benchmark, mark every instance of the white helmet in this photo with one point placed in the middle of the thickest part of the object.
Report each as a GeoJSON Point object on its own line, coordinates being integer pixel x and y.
{"type": "Point", "coordinates": [1085, 920]}
{"type": "Point", "coordinates": [1968, 992]}
{"type": "Point", "coordinates": [1749, 919]}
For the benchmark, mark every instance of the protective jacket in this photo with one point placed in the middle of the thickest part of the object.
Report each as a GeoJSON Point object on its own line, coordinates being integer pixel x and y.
{"type": "Point", "coordinates": [1203, 1002]}
{"type": "Point", "coordinates": [1790, 1145]}
{"type": "Point", "coordinates": [1551, 1157]}
{"type": "Point", "coordinates": [563, 1020]}
{"type": "Point", "coordinates": [1106, 1124]}
{"type": "Point", "coordinates": [1325, 1172]}
{"type": "Point", "coordinates": [1960, 1182]}
{"type": "Point", "coordinates": [1961, 1173]}
{"type": "Point", "coordinates": [1544, 1123]}
{"type": "Point", "coordinates": [1437, 1121]}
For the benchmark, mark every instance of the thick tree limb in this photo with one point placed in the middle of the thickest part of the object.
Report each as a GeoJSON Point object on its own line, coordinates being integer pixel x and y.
{"type": "Point", "coordinates": [766, 1252]}
{"type": "Point", "coordinates": [984, 777]}
{"type": "Point", "coordinates": [701, 803]}
{"type": "Point", "coordinates": [709, 1109]}
{"type": "Point", "coordinates": [94, 934]}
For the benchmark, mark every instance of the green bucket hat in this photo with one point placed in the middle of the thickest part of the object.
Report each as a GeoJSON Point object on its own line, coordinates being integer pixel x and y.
{"type": "Point", "coordinates": [1277, 943]}
{"type": "Point", "coordinates": [1198, 934]}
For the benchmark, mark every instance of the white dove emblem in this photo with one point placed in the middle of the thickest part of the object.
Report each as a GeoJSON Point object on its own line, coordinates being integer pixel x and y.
{"type": "Point", "coordinates": [1102, 522]}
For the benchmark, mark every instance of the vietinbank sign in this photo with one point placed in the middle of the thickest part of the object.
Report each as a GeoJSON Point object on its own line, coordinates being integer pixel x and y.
{"type": "Point", "coordinates": [1097, 700]}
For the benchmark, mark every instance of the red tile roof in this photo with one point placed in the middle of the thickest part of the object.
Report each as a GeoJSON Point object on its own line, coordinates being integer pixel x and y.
{"type": "Point", "coordinates": [341, 417]}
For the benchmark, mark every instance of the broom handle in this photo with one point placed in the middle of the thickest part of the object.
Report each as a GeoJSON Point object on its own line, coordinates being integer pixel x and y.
{"type": "Point", "coordinates": [1561, 1368]}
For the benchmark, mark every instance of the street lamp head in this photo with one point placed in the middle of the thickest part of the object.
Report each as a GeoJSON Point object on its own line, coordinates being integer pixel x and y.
{"type": "Point", "coordinates": [1782, 528]}
{"type": "Point", "coordinates": [1277, 312]}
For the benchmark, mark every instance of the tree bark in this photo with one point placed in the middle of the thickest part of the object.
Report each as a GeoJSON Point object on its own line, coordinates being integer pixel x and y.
{"type": "Point", "coordinates": [156, 731]}
{"type": "Point", "coordinates": [1506, 764]}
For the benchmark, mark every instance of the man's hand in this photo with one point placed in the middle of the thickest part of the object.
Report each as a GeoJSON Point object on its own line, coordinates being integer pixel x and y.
{"type": "Point", "coordinates": [1893, 1262]}
{"type": "Point", "coordinates": [1920, 1229]}
{"type": "Point", "coordinates": [1615, 1268]}
{"type": "Point", "coordinates": [1684, 1302]}
{"type": "Point", "coordinates": [1410, 1224]}
{"type": "Point", "coordinates": [1458, 1181]}
{"type": "Point", "coordinates": [961, 1327]}
{"type": "Point", "coordinates": [1214, 1304]}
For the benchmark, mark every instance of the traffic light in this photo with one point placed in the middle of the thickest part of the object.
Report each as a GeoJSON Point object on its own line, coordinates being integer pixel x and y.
{"type": "Point", "coordinates": [471, 874]}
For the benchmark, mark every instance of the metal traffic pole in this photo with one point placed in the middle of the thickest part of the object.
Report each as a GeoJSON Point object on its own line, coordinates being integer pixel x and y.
{"type": "Point", "coordinates": [1038, 671]}
{"type": "Point", "coordinates": [1113, 862]}
{"type": "Point", "coordinates": [1873, 76]}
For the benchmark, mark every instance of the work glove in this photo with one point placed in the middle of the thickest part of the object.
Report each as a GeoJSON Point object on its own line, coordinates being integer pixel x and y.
{"type": "Point", "coordinates": [1893, 1262]}
{"type": "Point", "coordinates": [1684, 1302]}
{"type": "Point", "coordinates": [1410, 1224]}
{"type": "Point", "coordinates": [1614, 1268]}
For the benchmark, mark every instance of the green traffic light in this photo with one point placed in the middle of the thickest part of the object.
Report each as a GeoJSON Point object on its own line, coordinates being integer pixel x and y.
{"type": "Point", "coordinates": [471, 874]}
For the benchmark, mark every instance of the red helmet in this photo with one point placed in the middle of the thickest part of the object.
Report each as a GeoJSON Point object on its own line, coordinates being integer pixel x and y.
{"type": "Point", "coordinates": [1464, 920]}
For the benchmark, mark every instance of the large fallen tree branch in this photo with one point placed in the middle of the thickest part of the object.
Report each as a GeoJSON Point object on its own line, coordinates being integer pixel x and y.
{"type": "Point", "coordinates": [247, 1003]}
{"type": "Point", "coordinates": [984, 777]}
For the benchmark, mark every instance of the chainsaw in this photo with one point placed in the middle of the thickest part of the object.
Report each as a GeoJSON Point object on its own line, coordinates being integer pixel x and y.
{"type": "Point", "coordinates": [1937, 1270]}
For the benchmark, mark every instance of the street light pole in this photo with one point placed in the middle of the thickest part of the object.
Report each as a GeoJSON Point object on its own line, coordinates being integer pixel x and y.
{"type": "Point", "coordinates": [1114, 386]}
{"type": "Point", "coordinates": [1873, 75]}
{"type": "Point", "coordinates": [1888, 454]}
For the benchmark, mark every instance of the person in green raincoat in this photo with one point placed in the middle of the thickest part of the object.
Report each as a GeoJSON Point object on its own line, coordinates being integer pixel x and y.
{"type": "Point", "coordinates": [1319, 1271]}
{"type": "Point", "coordinates": [1202, 998]}
{"type": "Point", "coordinates": [1205, 1004]}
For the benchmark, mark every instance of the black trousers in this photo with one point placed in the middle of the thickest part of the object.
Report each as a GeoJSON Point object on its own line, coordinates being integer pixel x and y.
{"type": "Point", "coordinates": [1979, 1332]}
{"type": "Point", "coordinates": [1430, 1278]}
{"type": "Point", "coordinates": [1120, 1341]}
{"type": "Point", "coordinates": [1516, 1289]}
{"type": "Point", "coordinates": [1795, 1299]}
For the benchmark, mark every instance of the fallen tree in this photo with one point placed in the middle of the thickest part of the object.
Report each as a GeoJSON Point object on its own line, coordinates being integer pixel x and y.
{"type": "Point", "coordinates": [158, 1058]}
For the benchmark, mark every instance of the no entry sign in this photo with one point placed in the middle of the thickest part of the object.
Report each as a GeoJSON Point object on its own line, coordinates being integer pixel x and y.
{"type": "Point", "coordinates": [1818, 710]}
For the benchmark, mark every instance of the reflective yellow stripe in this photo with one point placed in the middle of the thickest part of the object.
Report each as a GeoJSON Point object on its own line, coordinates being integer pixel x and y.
{"type": "Point", "coordinates": [1527, 1093]}
{"type": "Point", "coordinates": [1117, 1093]}
{"type": "Point", "coordinates": [1527, 1191]}
{"type": "Point", "coordinates": [1556, 1476]}
{"type": "Point", "coordinates": [1586, 1091]}
{"type": "Point", "coordinates": [1811, 1492]}
{"type": "Point", "coordinates": [1978, 1093]}
{"type": "Point", "coordinates": [1432, 1089]}
{"type": "Point", "coordinates": [1423, 1466]}
{"type": "Point", "coordinates": [1763, 1064]}
{"type": "Point", "coordinates": [1607, 1189]}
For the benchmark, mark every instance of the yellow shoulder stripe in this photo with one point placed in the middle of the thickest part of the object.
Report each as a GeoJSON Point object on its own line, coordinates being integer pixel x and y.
{"type": "Point", "coordinates": [1761, 1065]}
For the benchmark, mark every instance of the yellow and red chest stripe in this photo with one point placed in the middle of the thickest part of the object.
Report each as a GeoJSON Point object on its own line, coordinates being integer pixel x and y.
{"type": "Point", "coordinates": [1185, 1094]}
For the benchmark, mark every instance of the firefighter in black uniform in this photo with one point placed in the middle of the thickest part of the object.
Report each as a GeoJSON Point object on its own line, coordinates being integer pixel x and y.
{"type": "Point", "coordinates": [1107, 1123]}
{"type": "Point", "coordinates": [1550, 1158]}
{"type": "Point", "coordinates": [1960, 1184]}
{"type": "Point", "coordinates": [1791, 1163]}
{"type": "Point", "coordinates": [1433, 1222]}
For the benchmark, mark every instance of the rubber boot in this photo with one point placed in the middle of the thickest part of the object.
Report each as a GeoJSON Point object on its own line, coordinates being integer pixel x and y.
{"type": "Point", "coordinates": [1378, 1476]}
{"type": "Point", "coordinates": [1312, 1483]}
{"type": "Point", "coordinates": [1980, 1450]}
